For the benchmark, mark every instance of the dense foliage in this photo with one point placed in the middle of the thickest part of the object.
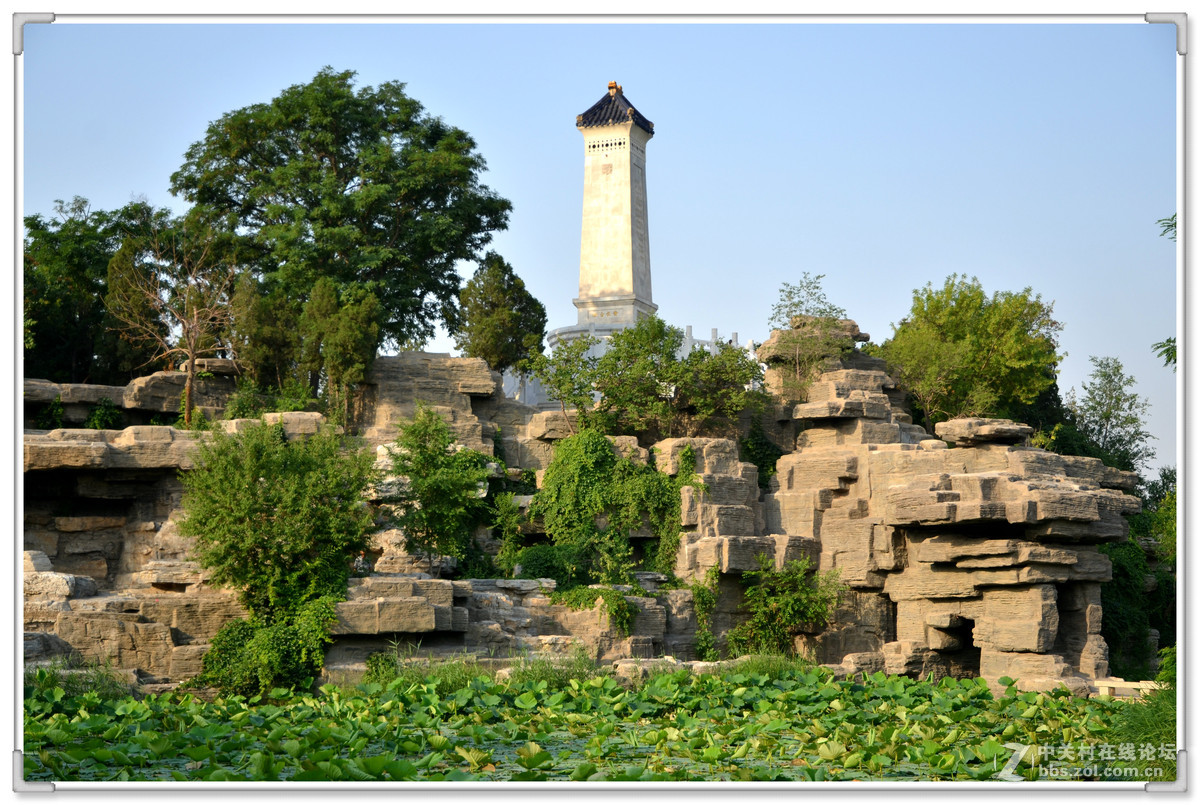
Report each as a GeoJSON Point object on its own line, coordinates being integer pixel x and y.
{"type": "Point", "coordinates": [1111, 416]}
{"type": "Point", "coordinates": [440, 497]}
{"type": "Point", "coordinates": [592, 499]}
{"type": "Point", "coordinates": [339, 334]}
{"type": "Point", "coordinates": [360, 186]}
{"type": "Point", "coordinates": [276, 519]}
{"type": "Point", "coordinates": [169, 288]}
{"type": "Point", "coordinates": [647, 387]}
{"type": "Point", "coordinates": [501, 321]}
{"type": "Point", "coordinates": [1141, 595]}
{"type": "Point", "coordinates": [781, 604]}
{"type": "Point", "coordinates": [69, 334]}
{"type": "Point", "coordinates": [1153, 721]}
{"type": "Point", "coordinates": [758, 448]}
{"type": "Point", "coordinates": [105, 415]}
{"type": "Point", "coordinates": [960, 352]}
{"type": "Point", "coordinates": [255, 656]}
{"type": "Point", "coordinates": [788, 723]}
{"type": "Point", "coordinates": [808, 330]}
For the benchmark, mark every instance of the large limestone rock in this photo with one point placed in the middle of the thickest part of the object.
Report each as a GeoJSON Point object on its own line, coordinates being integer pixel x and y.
{"type": "Point", "coordinates": [976, 558]}
{"type": "Point", "coordinates": [162, 391]}
{"type": "Point", "coordinates": [980, 558]}
{"type": "Point", "coordinates": [397, 383]}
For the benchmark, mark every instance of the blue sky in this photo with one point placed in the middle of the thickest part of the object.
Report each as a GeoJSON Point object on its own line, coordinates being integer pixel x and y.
{"type": "Point", "coordinates": [882, 156]}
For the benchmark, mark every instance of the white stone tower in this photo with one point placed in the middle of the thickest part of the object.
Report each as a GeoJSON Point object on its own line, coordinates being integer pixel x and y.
{"type": "Point", "coordinates": [614, 250]}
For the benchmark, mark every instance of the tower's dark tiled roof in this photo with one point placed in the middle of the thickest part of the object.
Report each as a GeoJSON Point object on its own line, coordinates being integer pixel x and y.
{"type": "Point", "coordinates": [613, 108]}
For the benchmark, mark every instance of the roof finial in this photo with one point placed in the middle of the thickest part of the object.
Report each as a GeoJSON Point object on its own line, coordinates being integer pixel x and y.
{"type": "Point", "coordinates": [613, 89]}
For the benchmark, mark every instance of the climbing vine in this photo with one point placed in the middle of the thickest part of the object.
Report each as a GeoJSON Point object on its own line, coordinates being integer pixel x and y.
{"type": "Point", "coordinates": [668, 531]}
{"type": "Point", "coordinates": [704, 599]}
{"type": "Point", "coordinates": [592, 499]}
{"type": "Point", "coordinates": [621, 612]}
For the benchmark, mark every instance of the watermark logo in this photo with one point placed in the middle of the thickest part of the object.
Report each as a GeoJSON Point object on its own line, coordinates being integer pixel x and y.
{"type": "Point", "coordinates": [1085, 761]}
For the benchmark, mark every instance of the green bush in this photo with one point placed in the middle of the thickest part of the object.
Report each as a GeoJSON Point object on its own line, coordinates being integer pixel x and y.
{"type": "Point", "coordinates": [1152, 721]}
{"type": "Point", "coordinates": [591, 499]}
{"type": "Point", "coordinates": [506, 523]}
{"type": "Point", "coordinates": [439, 503]}
{"type": "Point", "coordinates": [246, 402]}
{"type": "Point", "coordinates": [293, 395]}
{"type": "Point", "coordinates": [549, 561]}
{"type": "Point", "coordinates": [781, 604]}
{"type": "Point", "coordinates": [105, 415]}
{"type": "Point", "coordinates": [249, 658]}
{"type": "Point", "coordinates": [280, 521]}
{"type": "Point", "coordinates": [621, 612]}
{"type": "Point", "coordinates": [51, 417]}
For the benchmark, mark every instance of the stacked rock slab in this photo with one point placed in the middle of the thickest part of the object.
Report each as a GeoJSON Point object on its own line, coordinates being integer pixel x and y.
{"type": "Point", "coordinates": [140, 400]}
{"type": "Point", "coordinates": [465, 392]}
{"type": "Point", "coordinates": [977, 560]}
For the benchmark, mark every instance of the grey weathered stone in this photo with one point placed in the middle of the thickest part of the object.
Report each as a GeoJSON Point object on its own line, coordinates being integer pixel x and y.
{"type": "Point", "coordinates": [968, 432]}
{"type": "Point", "coordinates": [57, 585]}
{"type": "Point", "coordinates": [37, 562]}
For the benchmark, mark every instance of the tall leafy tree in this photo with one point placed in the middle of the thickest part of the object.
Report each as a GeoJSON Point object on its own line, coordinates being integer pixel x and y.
{"type": "Point", "coordinates": [501, 321]}
{"type": "Point", "coordinates": [357, 185]}
{"type": "Point", "coordinates": [1111, 415]}
{"type": "Point", "coordinates": [960, 352]}
{"type": "Point", "coordinates": [568, 373]}
{"type": "Point", "coordinates": [169, 288]}
{"type": "Point", "coordinates": [69, 335]}
{"type": "Point", "coordinates": [264, 334]}
{"type": "Point", "coordinates": [339, 333]}
{"type": "Point", "coordinates": [804, 298]}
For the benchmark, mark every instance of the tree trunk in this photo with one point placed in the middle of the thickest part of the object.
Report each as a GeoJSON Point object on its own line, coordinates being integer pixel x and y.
{"type": "Point", "coordinates": [188, 389]}
{"type": "Point", "coordinates": [566, 416]}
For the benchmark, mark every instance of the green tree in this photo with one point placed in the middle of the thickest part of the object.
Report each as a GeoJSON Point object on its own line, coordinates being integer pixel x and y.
{"type": "Point", "coordinates": [1165, 349]}
{"type": "Point", "coordinates": [1111, 415]}
{"type": "Point", "coordinates": [339, 333]}
{"type": "Point", "coordinates": [276, 519]}
{"type": "Point", "coordinates": [441, 495]}
{"type": "Point", "coordinates": [501, 321]}
{"type": "Point", "coordinates": [805, 298]}
{"type": "Point", "coordinates": [807, 329]}
{"type": "Point", "coordinates": [360, 186]}
{"type": "Point", "coordinates": [169, 288]}
{"type": "Point", "coordinates": [569, 375]}
{"type": "Point", "coordinates": [68, 332]}
{"type": "Point", "coordinates": [960, 352]}
{"type": "Point", "coordinates": [648, 389]}
{"type": "Point", "coordinates": [264, 333]}
{"type": "Point", "coordinates": [1168, 226]}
